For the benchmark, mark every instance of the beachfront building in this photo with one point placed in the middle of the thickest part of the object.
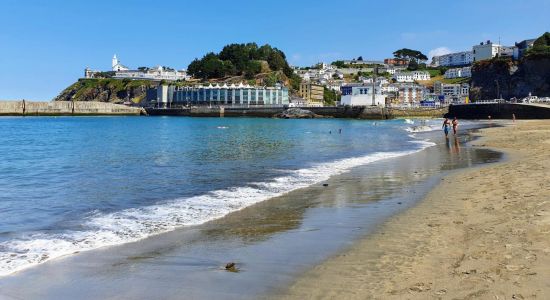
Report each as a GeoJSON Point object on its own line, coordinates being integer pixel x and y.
{"type": "Point", "coordinates": [458, 73]}
{"type": "Point", "coordinates": [411, 76]}
{"type": "Point", "coordinates": [362, 95]}
{"type": "Point", "coordinates": [453, 59]}
{"type": "Point", "coordinates": [410, 94]}
{"type": "Point", "coordinates": [220, 95]}
{"type": "Point", "coordinates": [312, 93]}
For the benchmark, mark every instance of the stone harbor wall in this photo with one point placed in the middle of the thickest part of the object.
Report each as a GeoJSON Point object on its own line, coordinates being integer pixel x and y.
{"type": "Point", "coordinates": [65, 108]}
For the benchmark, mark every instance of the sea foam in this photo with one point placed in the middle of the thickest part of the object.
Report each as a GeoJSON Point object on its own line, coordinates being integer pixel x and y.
{"type": "Point", "coordinates": [130, 225]}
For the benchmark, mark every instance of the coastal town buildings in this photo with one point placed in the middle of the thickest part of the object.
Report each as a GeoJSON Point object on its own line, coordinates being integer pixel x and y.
{"type": "Point", "coordinates": [240, 95]}
{"type": "Point", "coordinates": [458, 73]}
{"type": "Point", "coordinates": [362, 95]}
{"type": "Point", "coordinates": [396, 62]}
{"type": "Point", "coordinates": [453, 59]}
{"type": "Point", "coordinates": [360, 62]}
{"type": "Point", "coordinates": [452, 93]}
{"type": "Point", "coordinates": [411, 76]}
{"type": "Point", "coordinates": [312, 93]}
{"type": "Point", "coordinates": [410, 94]}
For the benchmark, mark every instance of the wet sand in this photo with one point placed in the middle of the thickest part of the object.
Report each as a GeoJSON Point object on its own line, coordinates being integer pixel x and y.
{"type": "Point", "coordinates": [483, 233]}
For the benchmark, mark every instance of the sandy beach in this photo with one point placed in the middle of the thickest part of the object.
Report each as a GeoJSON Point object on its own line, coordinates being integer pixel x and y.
{"type": "Point", "coordinates": [482, 233]}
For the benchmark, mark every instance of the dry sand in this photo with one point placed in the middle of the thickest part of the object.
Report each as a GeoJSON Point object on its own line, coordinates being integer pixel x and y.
{"type": "Point", "coordinates": [483, 233]}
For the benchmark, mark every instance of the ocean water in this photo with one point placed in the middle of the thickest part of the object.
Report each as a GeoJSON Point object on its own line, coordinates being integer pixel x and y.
{"type": "Point", "coordinates": [70, 184]}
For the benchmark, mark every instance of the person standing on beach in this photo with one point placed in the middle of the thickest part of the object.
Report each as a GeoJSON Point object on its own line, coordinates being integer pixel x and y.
{"type": "Point", "coordinates": [446, 125]}
{"type": "Point", "coordinates": [455, 125]}
{"type": "Point", "coordinates": [513, 118]}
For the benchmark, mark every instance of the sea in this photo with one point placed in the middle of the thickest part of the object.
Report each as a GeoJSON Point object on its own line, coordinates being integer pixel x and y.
{"type": "Point", "coordinates": [74, 184]}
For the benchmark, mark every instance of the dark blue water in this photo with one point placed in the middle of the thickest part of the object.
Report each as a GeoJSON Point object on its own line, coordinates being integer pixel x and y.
{"type": "Point", "coordinates": [77, 183]}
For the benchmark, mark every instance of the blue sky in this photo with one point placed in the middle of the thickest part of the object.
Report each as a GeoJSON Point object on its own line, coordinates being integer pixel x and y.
{"type": "Point", "coordinates": [45, 45]}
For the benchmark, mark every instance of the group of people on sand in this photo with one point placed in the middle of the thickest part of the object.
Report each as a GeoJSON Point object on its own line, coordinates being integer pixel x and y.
{"type": "Point", "coordinates": [447, 124]}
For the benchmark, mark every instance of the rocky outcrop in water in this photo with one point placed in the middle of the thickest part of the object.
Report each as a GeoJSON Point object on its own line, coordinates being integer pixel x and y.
{"type": "Point", "coordinates": [297, 113]}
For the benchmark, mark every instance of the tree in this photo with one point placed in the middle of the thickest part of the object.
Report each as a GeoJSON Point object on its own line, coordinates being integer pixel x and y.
{"type": "Point", "coordinates": [410, 54]}
{"type": "Point", "coordinates": [339, 64]}
{"type": "Point", "coordinates": [360, 58]}
{"type": "Point", "coordinates": [413, 65]}
{"type": "Point", "coordinates": [541, 47]}
{"type": "Point", "coordinates": [330, 97]}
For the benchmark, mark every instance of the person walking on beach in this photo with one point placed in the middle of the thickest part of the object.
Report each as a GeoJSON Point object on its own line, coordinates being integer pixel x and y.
{"type": "Point", "coordinates": [513, 118]}
{"type": "Point", "coordinates": [446, 125]}
{"type": "Point", "coordinates": [455, 125]}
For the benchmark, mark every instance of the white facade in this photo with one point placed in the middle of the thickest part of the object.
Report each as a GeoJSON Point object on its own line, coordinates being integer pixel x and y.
{"type": "Point", "coordinates": [485, 51]}
{"type": "Point", "coordinates": [361, 95]}
{"type": "Point", "coordinates": [458, 73]}
{"type": "Point", "coordinates": [116, 65]}
{"type": "Point", "coordinates": [411, 76]}
{"type": "Point", "coordinates": [158, 73]}
{"type": "Point", "coordinates": [453, 59]}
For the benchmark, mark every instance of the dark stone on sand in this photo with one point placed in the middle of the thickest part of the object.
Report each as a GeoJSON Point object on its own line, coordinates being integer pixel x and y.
{"type": "Point", "coordinates": [325, 184]}
{"type": "Point", "coordinates": [230, 266]}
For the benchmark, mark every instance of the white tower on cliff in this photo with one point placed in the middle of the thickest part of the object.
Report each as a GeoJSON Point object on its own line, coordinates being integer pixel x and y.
{"type": "Point", "coordinates": [117, 66]}
{"type": "Point", "coordinates": [114, 62]}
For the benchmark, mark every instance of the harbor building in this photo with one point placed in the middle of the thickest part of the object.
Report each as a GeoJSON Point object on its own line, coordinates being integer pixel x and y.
{"type": "Point", "coordinates": [219, 95]}
{"type": "Point", "coordinates": [362, 95]}
{"type": "Point", "coordinates": [312, 93]}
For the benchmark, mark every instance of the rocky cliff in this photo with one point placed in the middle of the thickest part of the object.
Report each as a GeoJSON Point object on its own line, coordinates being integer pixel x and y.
{"type": "Point", "coordinates": [106, 90]}
{"type": "Point", "coordinates": [504, 78]}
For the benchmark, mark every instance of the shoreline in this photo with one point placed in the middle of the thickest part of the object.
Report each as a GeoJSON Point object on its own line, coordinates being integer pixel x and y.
{"type": "Point", "coordinates": [295, 224]}
{"type": "Point", "coordinates": [464, 240]}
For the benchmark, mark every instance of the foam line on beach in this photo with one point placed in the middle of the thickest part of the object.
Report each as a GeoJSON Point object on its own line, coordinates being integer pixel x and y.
{"type": "Point", "coordinates": [130, 225]}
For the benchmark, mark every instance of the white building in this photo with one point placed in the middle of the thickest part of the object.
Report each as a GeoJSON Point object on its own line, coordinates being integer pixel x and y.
{"type": "Point", "coordinates": [458, 73]}
{"type": "Point", "coordinates": [117, 66]}
{"type": "Point", "coordinates": [453, 59]}
{"type": "Point", "coordinates": [362, 95]}
{"type": "Point", "coordinates": [411, 76]}
{"type": "Point", "coordinates": [157, 73]}
{"type": "Point", "coordinates": [453, 93]}
{"type": "Point", "coordinates": [123, 72]}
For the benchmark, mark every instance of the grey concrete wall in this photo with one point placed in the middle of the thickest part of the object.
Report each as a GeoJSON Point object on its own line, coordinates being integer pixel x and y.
{"type": "Point", "coordinates": [499, 111]}
{"type": "Point", "coordinates": [64, 108]}
{"type": "Point", "coordinates": [355, 112]}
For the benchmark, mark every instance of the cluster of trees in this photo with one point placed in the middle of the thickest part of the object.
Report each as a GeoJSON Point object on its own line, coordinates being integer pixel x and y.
{"type": "Point", "coordinates": [541, 46]}
{"type": "Point", "coordinates": [411, 55]}
{"type": "Point", "coordinates": [240, 59]}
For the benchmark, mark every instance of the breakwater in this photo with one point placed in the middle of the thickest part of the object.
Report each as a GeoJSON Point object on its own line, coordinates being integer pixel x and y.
{"type": "Point", "coordinates": [355, 112]}
{"type": "Point", "coordinates": [65, 108]}
{"type": "Point", "coordinates": [499, 111]}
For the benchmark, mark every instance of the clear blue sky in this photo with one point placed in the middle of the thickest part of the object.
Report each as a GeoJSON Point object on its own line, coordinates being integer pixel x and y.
{"type": "Point", "coordinates": [45, 45]}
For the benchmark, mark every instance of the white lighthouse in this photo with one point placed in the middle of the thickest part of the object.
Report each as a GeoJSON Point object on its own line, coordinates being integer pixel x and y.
{"type": "Point", "coordinates": [116, 65]}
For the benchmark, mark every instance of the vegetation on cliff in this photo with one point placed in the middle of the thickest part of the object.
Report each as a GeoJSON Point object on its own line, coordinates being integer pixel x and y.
{"type": "Point", "coordinates": [247, 61]}
{"type": "Point", "coordinates": [541, 47]}
{"type": "Point", "coordinates": [106, 90]}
